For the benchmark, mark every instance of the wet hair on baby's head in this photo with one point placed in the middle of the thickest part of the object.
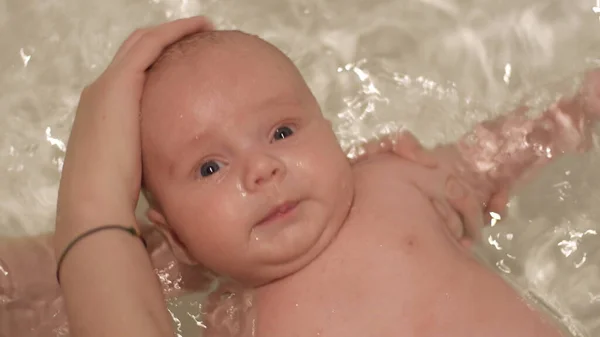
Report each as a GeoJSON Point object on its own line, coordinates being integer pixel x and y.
{"type": "Point", "coordinates": [207, 39]}
{"type": "Point", "coordinates": [192, 43]}
{"type": "Point", "coordinates": [183, 46]}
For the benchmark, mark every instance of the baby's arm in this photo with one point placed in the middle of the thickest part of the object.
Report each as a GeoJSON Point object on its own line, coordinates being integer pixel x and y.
{"type": "Point", "coordinates": [498, 153]}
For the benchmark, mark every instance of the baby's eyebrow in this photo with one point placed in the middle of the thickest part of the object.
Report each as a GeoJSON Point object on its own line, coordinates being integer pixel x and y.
{"type": "Point", "coordinates": [197, 140]}
{"type": "Point", "coordinates": [281, 100]}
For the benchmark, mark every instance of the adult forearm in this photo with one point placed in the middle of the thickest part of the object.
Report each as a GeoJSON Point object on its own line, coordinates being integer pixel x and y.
{"type": "Point", "coordinates": [32, 301]}
{"type": "Point", "coordinates": [112, 270]}
{"type": "Point", "coordinates": [500, 152]}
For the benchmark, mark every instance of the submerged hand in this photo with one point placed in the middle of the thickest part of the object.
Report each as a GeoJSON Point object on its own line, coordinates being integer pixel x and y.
{"type": "Point", "coordinates": [501, 152]}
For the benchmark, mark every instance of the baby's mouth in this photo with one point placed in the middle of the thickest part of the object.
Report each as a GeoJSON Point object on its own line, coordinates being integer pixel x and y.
{"type": "Point", "coordinates": [279, 212]}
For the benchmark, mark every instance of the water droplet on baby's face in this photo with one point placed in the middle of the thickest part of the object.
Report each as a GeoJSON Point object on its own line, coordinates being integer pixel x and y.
{"type": "Point", "coordinates": [240, 188]}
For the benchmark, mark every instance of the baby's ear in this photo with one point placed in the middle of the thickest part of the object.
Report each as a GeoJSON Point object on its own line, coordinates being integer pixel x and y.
{"type": "Point", "coordinates": [178, 249]}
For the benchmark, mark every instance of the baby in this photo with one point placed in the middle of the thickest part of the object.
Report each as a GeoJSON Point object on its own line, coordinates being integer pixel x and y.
{"type": "Point", "coordinates": [248, 179]}
{"type": "Point", "coordinates": [257, 188]}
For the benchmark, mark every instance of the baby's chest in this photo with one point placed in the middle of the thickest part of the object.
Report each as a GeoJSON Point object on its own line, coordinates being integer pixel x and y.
{"type": "Point", "coordinates": [390, 259]}
{"type": "Point", "coordinates": [395, 218]}
{"type": "Point", "coordinates": [394, 270]}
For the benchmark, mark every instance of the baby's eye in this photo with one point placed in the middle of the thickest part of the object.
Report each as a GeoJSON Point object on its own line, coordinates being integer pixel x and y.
{"type": "Point", "coordinates": [209, 168]}
{"type": "Point", "coordinates": [282, 132]}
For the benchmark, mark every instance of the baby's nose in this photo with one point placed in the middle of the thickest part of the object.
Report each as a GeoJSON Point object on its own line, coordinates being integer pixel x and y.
{"type": "Point", "coordinates": [264, 170]}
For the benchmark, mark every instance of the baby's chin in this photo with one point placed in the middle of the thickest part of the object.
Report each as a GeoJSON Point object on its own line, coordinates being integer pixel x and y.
{"type": "Point", "coordinates": [286, 248]}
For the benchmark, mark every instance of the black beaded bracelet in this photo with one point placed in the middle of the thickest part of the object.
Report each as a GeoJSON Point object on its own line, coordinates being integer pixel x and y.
{"type": "Point", "coordinates": [130, 230]}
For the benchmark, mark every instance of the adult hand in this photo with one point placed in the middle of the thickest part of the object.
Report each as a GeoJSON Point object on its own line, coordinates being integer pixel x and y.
{"type": "Point", "coordinates": [102, 170]}
{"type": "Point", "coordinates": [107, 280]}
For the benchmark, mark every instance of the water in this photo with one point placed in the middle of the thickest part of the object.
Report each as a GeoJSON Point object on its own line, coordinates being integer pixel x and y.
{"type": "Point", "coordinates": [433, 66]}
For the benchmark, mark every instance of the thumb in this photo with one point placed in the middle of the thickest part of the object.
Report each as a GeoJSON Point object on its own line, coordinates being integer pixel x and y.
{"type": "Point", "coordinates": [497, 204]}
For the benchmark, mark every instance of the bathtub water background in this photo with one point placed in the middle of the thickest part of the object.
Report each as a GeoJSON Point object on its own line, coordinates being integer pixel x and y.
{"type": "Point", "coordinates": [433, 66]}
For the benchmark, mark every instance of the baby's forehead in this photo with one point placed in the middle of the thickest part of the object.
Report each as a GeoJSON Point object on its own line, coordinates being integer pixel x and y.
{"type": "Point", "coordinates": [214, 109]}
{"type": "Point", "coordinates": [208, 75]}
{"type": "Point", "coordinates": [223, 57]}
{"type": "Point", "coordinates": [223, 75]}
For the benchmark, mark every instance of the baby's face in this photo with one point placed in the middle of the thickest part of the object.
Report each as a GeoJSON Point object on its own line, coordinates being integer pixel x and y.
{"type": "Point", "coordinates": [244, 167]}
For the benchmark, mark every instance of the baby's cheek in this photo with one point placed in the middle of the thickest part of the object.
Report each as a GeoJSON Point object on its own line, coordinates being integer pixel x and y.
{"type": "Point", "coordinates": [311, 166]}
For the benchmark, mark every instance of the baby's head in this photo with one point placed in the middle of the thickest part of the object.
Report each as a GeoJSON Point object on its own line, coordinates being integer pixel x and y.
{"type": "Point", "coordinates": [243, 168]}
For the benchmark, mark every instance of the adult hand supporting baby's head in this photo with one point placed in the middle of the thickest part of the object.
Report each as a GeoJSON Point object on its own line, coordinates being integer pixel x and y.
{"type": "Point", "coordinates": [101, 176]}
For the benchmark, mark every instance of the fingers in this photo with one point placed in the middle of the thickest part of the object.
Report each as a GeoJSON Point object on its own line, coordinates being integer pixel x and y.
{"type": "Point", "coordinates": [466, 242]}
{"type": "Point", "coordinates": [378, 146]}
{"type": "Point", "coordinates": [151, 43]}
{"type": "Point", "coordinates": [407, 146]}
{"type": "Point", "coordinates": [497, 204]}
{"type": "Point", "coordinates": [144, 45]}
{"type": "Point", "coordinates": [371, 148]}
{"type": "Point", "coordinates": [128, 43]}
{"type": "Point", "coordinates": [467, 207]}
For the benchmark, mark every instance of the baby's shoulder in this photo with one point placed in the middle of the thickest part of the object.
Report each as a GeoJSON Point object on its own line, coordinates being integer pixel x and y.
{"type": "Point", "coordinates": [389, 169]}
{"type": "Point", "coordinates": [387, 176]}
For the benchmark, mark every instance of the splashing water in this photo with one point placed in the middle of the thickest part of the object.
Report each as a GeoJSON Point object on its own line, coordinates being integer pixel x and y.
{"type": "Point", "coordinates": [433, 66]}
